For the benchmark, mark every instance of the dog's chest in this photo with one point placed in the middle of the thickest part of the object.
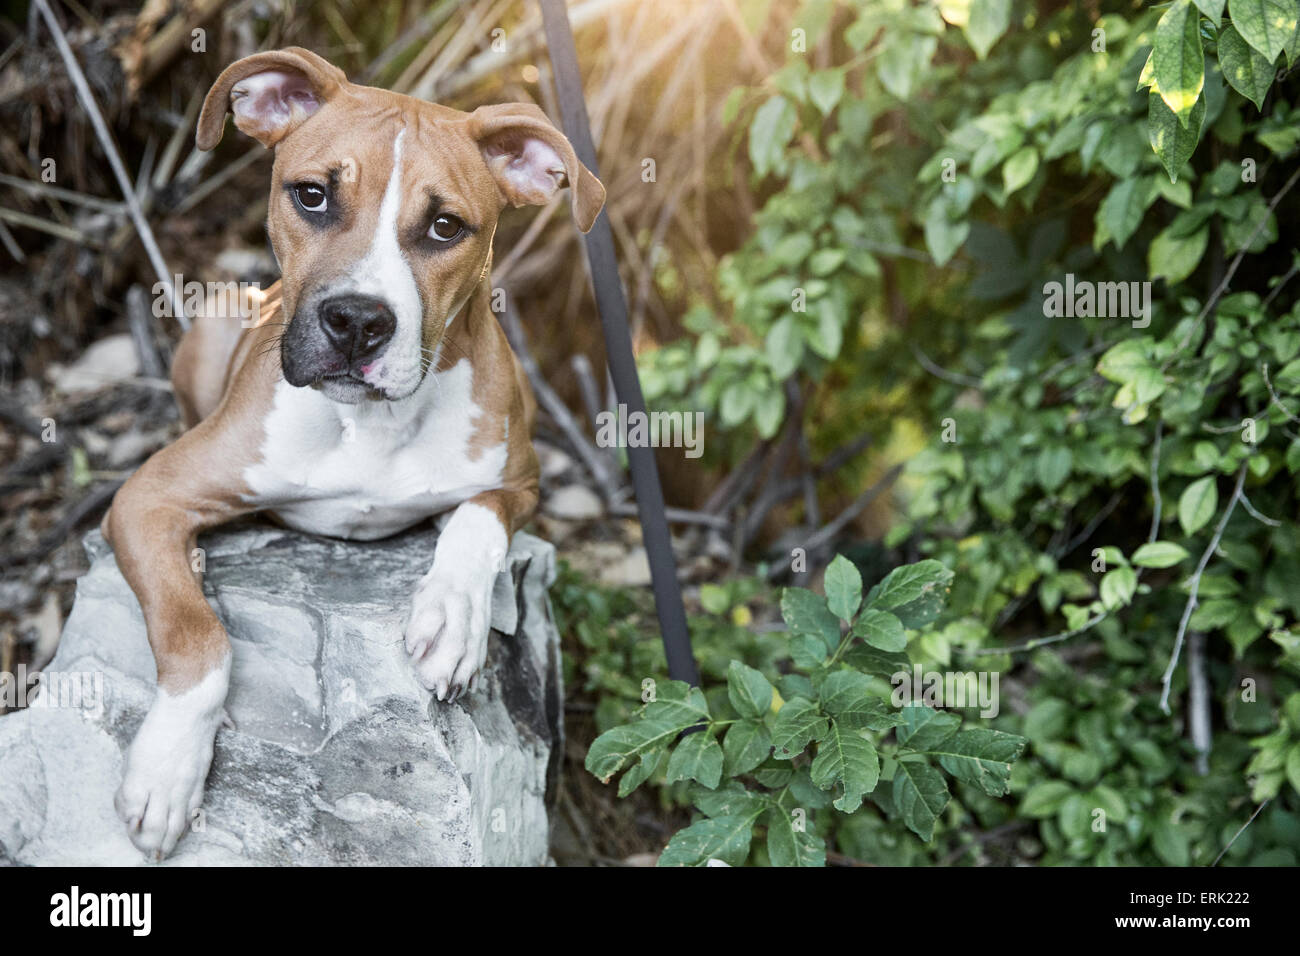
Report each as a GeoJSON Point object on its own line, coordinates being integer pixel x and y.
{"type": "Point", "coordinates": [369, 470]}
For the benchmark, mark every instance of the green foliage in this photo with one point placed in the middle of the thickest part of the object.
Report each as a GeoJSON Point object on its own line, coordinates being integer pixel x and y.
{"type": "Point", "coordinates": [761, 762]}
{"type": "Point", "coordinates": [1111, 481]}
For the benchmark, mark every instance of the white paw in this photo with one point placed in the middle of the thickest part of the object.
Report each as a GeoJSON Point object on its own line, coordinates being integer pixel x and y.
{"type": "Point", "coordinates": [168, 762]}
{"type": "Point", "coordinates": [447, 632]}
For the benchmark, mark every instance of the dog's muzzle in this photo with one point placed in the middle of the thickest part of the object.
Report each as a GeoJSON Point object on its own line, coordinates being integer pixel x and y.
{"type": "Point", "coordinates": [336, 342]}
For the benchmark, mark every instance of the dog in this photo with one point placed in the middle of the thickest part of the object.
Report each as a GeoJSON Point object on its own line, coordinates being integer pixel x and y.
{"type": "Point", "coordinates": [375, 390]}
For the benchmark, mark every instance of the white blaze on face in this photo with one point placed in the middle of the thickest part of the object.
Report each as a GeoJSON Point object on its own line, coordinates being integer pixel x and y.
{"type": "Point", "coordinates": [385, 274]}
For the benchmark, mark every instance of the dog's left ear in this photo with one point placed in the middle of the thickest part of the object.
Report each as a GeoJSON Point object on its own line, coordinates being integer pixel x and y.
{"type": "Point", "coordinates": [270, 93]}
{"type": "Point", "coordinates": [531, 159]}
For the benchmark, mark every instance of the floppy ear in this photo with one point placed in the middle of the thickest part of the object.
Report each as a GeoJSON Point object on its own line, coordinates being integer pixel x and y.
{"type": "Point", "coordinates": [531, 159]}
{"type": "Point", "coordinates": [269, 93]}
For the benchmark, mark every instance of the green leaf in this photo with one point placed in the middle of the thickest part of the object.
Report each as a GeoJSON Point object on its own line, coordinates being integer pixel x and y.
{"type": "Point", "coordinates": [880, 629]}
{"type": "Point", "coordinates": [1267, 25]}
{"type": "Point", "coordinates": [748, 690]}
{"type": "Point", "coordinates": [1246, 70]}
{"type": "Point", "coordinates": [1054, 466]}
{"type": "Point", "coordinates": [1043, 799]}
{"type": "Point", "coordinates": [826, 337]}
{"type": "Point", "coordinates": [903, 59]}
{"type": "Point", "coordinates": [1122, 210]}
{"type": "Point", "coordinates": [728, 800]}
{"type": "Point", "coordinates": [846, 696]}
{"type": "Point", "coordinates": [784, 347]}
{"type": "Point", "coordinates": [987, 22]}
{"type": "Point", "coordinates": [1175, 256]}
{"type": "Point", "coordinates": [1171, 844]}
{"type": "Point", "coordinates": [872, 660]}
{"type": "Point", "coordinates": [806, 613]}
{"type": "Point", "coordinates": [915, 592]}
{"type": "Point", "coordinates": [843, 588]}
{"type": "Point", "coordinates": [797, 723]}
{"type": "Point", "coordinates": [982, 757]}
{"type": "Point", "coordinates": [723, 838]}
{"type": "Point", "coordinates": [697, 757]}
{"type": "Point", "coordinates": [807, 651]}
{"type": "Point", "coordinates": [825, 87]}
{"type": "Point", "coordinates": [1173, 141]}
{"type": "Point", "coordinates": [773, 127]}
{"type": "Point", "coordinates": [1212, 8]}
{"type": "Point", "coordinates": [678, 703]}
{"type": "Point", "coordinates": [847, 758]}
{"type": "Point", "coordinates": [943, 235]}
{"type": "Point", "coordinates": [1118, 587]}
{"type": "Point", "coordinates": [619, 746]}
{"type": "Point", "coordinates": [787, 846]}
{"type": "Point", "coordinates": [1159, 554]}
{"type": "Point", "coordinates": [1197, 504]}
{"type": "Point", "coordinates": [639, 773]}
{"type": "Point", "coordinates": [769, 412]}
{"type": "Point", "coordinates": [1217, 613]}
{"type": "Point", "coordinates": [1111, 801]}
{"type": "Point", "coordinates": [920, 795]}
{"type": "Point", "coordinates": [1047, 719]}
{"type": "Point", "coordinates": [746, 745]}
{"type": "Point", "coordinates": [1293, 766]}
{"type": "Point", "coordinates": [983, 21]}
{"type": "Point", "coordinates": [1177, 61]}
{"type": "Point", "coordinates": [925, 728]}
{"type": "Point", "coordinates": [1020, 168]}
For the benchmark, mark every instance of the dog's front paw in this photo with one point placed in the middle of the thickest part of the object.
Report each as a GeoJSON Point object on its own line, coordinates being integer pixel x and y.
{"type": "Point", "coordinates": [168, 763]}
{"type": "Point", "coordinates": [447, 632]}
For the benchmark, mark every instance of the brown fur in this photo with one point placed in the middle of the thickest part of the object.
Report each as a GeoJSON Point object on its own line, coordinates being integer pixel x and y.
{"type": "Point", "coordinates": [225, 376]}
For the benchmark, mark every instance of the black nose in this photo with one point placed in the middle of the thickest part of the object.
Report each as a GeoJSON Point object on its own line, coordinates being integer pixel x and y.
{"type": "Point", "coordinates": [358, 326]}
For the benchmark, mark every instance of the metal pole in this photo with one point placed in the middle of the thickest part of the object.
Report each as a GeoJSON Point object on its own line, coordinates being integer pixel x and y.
{"type": "Point", "coordinates": [612, 307]}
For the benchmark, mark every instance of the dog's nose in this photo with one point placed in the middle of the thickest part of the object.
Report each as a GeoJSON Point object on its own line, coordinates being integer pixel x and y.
{"type": "Point", "coordinates": [358, 326]}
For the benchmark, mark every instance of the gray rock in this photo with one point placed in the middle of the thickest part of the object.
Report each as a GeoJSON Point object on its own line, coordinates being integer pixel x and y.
{"type": "Point", "coordinates": [339, 756]}
{"type": "Point", "coordinates": [111, 359]}
{"type": "Point", "coordinates": [573, 503]}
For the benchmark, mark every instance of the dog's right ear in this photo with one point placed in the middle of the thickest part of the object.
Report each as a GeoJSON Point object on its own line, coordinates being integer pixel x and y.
{"type": "Point", "coordinates": [271, 94]}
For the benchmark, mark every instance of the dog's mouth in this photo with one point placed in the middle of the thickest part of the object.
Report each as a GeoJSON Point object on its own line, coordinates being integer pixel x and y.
{"type": "Point", "coordinates": [343, 377]}
{"type": "Point", "coordinates": [348, 384]}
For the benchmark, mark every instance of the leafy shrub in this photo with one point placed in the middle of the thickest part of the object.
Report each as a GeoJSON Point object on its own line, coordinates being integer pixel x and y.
{"type": "Point", "coordinates": [844, 652]}
{"type": "Point", "coordinates": [1108, 490]}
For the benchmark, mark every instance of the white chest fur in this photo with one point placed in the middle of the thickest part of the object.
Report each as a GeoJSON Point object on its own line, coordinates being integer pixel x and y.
{"type": "Point", "coordinates": [369, 470]}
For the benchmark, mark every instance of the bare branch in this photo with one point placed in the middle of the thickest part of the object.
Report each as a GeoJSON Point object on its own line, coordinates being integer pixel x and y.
{"type": "Point", "coordinates": [1194, 586]}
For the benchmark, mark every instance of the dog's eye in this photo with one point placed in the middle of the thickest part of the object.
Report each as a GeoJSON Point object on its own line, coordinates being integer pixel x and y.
{"type": "Point", "coordinates": [445, 228]}
{"type": "Point", "coordinates": [310, 197]}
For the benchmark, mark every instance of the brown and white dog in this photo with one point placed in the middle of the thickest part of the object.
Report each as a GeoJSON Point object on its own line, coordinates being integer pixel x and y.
{"type": "Point", "coordinates": [376, 390]}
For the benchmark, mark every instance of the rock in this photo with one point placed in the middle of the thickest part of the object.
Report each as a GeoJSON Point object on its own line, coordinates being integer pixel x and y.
{"type": "Point", "coordinates": [338, 756]}
{"type": "Point", "coordinates": [132, 447]}
{"type": "Point", "coordinates": [111, 359]}
{"type": "Point", "coordinates": [573, 503]}
{"type": "Point", "coordinates": [632, 571]}
{"type": "Point", "coordinates": [551, 460]}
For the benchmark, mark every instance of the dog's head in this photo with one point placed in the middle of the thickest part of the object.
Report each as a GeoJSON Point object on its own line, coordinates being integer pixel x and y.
{"type": "Point", "coordinates": [382, 211]}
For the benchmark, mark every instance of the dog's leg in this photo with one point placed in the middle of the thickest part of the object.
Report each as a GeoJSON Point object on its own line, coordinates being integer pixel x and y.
{"type": "Point", "coordinates": [200, 365]}
{"type": "Point", "coordinates": [447, 633]}
{"type": "Point", "coordinates": [153, 526]}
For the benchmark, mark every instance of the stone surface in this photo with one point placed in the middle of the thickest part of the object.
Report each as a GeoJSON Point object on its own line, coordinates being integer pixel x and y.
{"type": "Point", "coordinates": [111, 359]}
{"type": "Point", "coordinates": [338, 756]}
{"type": "Point", "coordinates": [573, 503]}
